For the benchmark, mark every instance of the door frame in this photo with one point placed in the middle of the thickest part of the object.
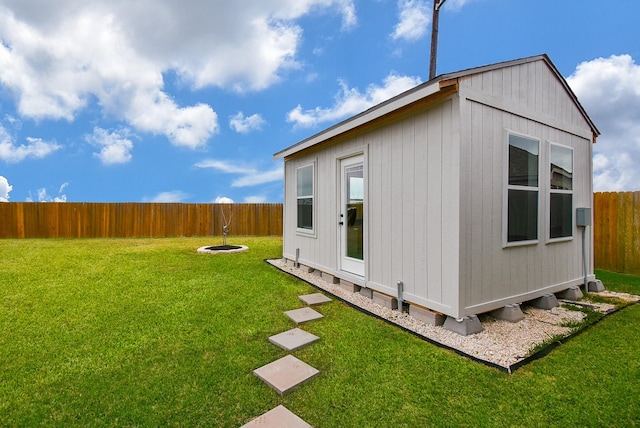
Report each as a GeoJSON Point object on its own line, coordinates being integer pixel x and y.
{"type": "Point", "coordinates": [346, 264]}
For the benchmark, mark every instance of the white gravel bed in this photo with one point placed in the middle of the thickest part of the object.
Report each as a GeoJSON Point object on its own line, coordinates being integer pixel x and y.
{"type": "Point", "coordinates": [501, 342]}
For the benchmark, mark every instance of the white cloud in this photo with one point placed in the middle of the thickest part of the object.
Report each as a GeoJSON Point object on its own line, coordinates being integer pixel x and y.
{"type": "Point", "coordinates": [350, 101]}
{"type": "Point", "coordinates": [456, 4]}
{"type": "Point", "coordinates": [609, 90]}
{"type": "Point", "coordinates": [43, 196]}
{"type": "Point", "coordinates": [259, 178]}
{"type": "Point", "coordinates": [414, 18]}
{"type": "Point", "coordinates": [5, 189]}
{"type": "Point", "coordinates": [244, 125]}
{"type": "Point", "coordinates": [227, 167]}
{"type": "Point", "coordinates": [170, 196]}
{"type": "Point", "coordinates": [256, 199]}
{"type": "Point", "coordinates": [115, 146]}
{"type": "Point", "coordinates": [250, 176]}
{"type": "Point", "coordinates": [35, 148]}
{"type": "Point", "coordinates": [16, 123]}
{"type": "Point", "coordinates": [57, 58]}
{"type": "Point", "coordinates": [223, 200]}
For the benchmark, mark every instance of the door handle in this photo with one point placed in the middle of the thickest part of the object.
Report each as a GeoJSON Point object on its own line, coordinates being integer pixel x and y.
{"type": "Point", "coordinates": [341, 223]}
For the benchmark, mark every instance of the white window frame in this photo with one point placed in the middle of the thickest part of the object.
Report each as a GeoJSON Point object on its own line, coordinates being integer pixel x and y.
{"type": "Point", "coordinates": [559, 191]}
{"type": "Point", "coordinates": [312, 196]}
{"type": "Point", "coordinates": [507, 187]}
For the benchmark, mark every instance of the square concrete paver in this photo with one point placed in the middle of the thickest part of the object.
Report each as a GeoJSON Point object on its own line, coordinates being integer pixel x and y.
{"type": "Point", "coordinates": [293, 339]}
{"type": "Point", "coordinates": [278, 417]}
{"type": "Point", "coordinates": [285, 374]}
{"type": "Point", "coordinates": [303, 315]}
{"type": "Point", "coordinates": [314, 299]}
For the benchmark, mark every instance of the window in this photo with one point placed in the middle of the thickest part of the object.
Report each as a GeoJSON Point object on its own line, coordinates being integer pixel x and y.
{"type": "Point", "coordinates": [560, 192]}
{"type": "Point", "coordinates": [304, 182]}
{"type": "Point", "coordinates": [522, 189]}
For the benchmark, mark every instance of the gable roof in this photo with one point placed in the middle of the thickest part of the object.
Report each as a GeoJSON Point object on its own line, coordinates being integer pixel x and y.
{"type": "Point", "coordinates": [437, 88]}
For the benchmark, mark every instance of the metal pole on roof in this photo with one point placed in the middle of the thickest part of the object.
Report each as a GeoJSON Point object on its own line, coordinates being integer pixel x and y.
{"type": "Point", "coordinates": [437, 4]}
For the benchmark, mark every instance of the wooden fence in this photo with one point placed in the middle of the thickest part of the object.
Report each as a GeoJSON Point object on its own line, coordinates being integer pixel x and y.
{"type": "Point", "coordinates": [616, 225]}
{"type": "Point", "coordinates": [132, 220]}
{"type": "Point", "coordinates": [616, 231]}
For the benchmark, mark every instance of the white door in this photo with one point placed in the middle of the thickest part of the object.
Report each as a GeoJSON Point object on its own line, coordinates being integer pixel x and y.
{"type": "Point", "coordinates": [351, 223]}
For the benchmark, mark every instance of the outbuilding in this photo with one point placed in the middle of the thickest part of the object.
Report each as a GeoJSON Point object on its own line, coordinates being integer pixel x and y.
{"type": "Point", "coordinates": [467, 194]}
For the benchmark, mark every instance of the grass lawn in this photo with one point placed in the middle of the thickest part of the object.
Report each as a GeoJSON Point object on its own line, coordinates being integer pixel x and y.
{"type": "Point", "coordinates": [619, 281]}
{"type": "Point", "coordinates": [145, 332]}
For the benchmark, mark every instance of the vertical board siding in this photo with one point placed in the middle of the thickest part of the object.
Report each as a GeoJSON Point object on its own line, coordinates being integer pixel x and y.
{"type": "Point", "coordinates": [136, 220]}
{"type": "Point", "coordinates": [412, 171]}
{"type": "Point", "coordinates": [616, 227]}
{"type": "Point", "coordinates": [489, 272]}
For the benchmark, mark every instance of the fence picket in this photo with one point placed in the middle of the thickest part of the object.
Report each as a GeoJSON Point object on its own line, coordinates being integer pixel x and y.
{"type": "Point", "coordinates": [128, 220]}
{"type": "Point", "coordinates": [616, 225]}
{"type": "Point", "coordinates": [616, 231]}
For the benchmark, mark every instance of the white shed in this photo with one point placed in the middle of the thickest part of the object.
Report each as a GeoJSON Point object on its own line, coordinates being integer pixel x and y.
{"type": "Point", "coordinates": [465, 189]}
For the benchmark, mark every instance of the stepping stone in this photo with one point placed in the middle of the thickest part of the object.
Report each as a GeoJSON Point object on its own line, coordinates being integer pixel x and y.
{"type": "Point", "coordinates": [314, 299]}
{"type": "Point", "coordinates": [303, 315]}
{"type": "Point", "coordinates": [293, 339]}
{"type": "Point", "coordinates": [285, 374]}
{"type": "Point", "coordinates": [277, 418]}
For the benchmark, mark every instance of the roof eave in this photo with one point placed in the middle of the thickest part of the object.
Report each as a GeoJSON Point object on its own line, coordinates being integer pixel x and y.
{"type": "Point", "coordinates": [427, 89]}
{"type": "Point", "coordinates": [404, 99]}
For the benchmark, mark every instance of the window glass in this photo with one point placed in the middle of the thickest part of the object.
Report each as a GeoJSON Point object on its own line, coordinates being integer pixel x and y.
{"type": "Point", "coordinates": [522, 189]}
{"type": "Point", "coordinates": [561, 219]}
{"type": "Point", "coordinates": [560, 192]}
{"type": "Point", "coordinates": [522, 216]}
{"type": "Point", "coordinates": [523, 161]}
{"type": "Point", "coordinates": [561, 167]}
{"type": "Point", "coordinates": [305, 213]}
{"type": "Point", "coordinates": [304, 183]}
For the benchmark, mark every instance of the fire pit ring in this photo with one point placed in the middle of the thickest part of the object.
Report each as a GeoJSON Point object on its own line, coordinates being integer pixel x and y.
{"type": "Point", "coordinates": [222, 249]}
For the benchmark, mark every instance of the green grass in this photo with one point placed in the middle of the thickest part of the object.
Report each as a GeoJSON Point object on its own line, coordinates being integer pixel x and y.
{"type": "Point", "coordinates": [145, 332]}
{"type": "Point", "coordinates": [619, 281]}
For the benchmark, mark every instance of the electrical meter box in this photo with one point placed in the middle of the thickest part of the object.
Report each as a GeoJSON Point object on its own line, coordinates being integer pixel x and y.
{"type": "Point", "coordinates": [583, 217]}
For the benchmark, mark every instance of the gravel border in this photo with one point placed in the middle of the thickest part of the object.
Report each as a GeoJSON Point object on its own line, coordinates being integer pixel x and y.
{"type": "Point", "coordinates": [501, 343]}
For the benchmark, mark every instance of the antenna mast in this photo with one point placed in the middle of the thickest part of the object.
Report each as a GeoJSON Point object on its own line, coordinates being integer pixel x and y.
{"type": "Point", "coordinates": [437, 4]}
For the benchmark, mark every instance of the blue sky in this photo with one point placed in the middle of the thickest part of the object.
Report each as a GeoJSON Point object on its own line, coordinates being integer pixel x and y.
{"type": "Point", "coordinates": [160, 100]}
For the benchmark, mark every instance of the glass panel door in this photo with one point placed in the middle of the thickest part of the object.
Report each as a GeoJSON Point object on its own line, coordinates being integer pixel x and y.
{"type": "Point", "coordinates": [352, 215]}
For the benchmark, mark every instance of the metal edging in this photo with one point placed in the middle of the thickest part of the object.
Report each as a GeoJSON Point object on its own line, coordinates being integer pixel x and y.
{"type": "Point", "coordinates": [506, 369]}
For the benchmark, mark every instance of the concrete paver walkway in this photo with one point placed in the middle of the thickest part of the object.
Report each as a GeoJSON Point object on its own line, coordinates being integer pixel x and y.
{"type": "Point", "coordinates": [293, 339]}
{"type": "Point", "coordinates": [314, 299]}
{"type": "Point", "coordinates": [279, 417]}
{"type": "Point", "coordinates": [285, 374]}
{"type": "Point", "coordinates": [303, 315]}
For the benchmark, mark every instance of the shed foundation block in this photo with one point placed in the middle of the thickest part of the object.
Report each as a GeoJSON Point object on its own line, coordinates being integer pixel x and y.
{"type": "Point", "coordinates": [366, 292]}
{"type": "Point", "coordinates": [349, 286]}
{"type": "Point", "coordinates": [426, 316]}
{"type": "Point", "coordinates": [306, 268]}
{"type": "Point", "coordinates": [330, 278]}
{"type": "Point", "coordinates": [596, 286]}
{"type": "Point", "coordinates": [511, 313]}
{"type": "Point", "coordinates": [384, 300]}
{"type": "Point", "coordinates": [571, 293]}
{"type": "Point", "coordinates": [465, 326]}
{"type": "Point", "coordinates": [548, 301]}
